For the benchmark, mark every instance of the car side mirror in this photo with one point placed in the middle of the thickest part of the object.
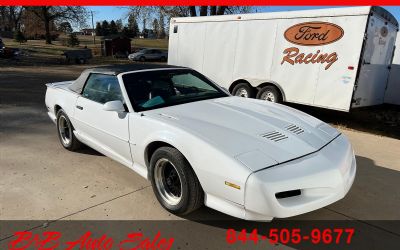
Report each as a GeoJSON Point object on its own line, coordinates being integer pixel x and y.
{"type": "Point", "coordinates": [116, 106]}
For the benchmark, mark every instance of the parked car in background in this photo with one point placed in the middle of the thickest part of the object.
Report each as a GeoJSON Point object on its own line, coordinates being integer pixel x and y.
{"type": "Point", "coordinates": [149, 55]}
{"type": "Point", "coordinates": [1, 43]}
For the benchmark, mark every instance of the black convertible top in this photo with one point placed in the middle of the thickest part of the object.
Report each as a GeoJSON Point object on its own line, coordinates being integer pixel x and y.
{"type": "Point", "coordinates": [116, 69]}
{"type": "Point", "coordinates": [121, 68]}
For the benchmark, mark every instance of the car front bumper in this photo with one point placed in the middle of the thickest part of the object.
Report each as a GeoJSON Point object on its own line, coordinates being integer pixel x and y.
{"type": "Point", "coordinates": [321, 178]}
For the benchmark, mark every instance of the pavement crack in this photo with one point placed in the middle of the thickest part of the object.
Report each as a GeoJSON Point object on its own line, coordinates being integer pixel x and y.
{"type": "Point", "coordinates": [47, 223]}
{"type": "Point", "coordinates": [364, 222]}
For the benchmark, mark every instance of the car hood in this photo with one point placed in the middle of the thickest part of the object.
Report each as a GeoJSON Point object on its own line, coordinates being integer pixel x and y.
{"type": "Point", "coordinates": [257, 133]}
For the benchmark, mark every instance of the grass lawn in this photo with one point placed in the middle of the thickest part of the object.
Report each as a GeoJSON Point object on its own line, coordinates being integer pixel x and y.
{"type": "Point", "coordinates": [40, 52]}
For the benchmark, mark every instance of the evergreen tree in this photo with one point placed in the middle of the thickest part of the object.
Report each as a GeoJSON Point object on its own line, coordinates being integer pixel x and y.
{"type": "Point", "coordinates": [65, 27]}
{"type": "Point", "coordinates": [72, 40]}
{"type": "Point", "coordinates": [133, 25]}
{"type": "Point", "coordinates": [127, 32]}
{"type": "Point", "coordinates": [119, 24]}
{"type": "Point", "coordinates": [135, 29]}
{"type": "Point", "coordinates": [113, 28]}
{"type": "Point", "coordinates": [105, 26]}
{"type": "Point", "coordinates": [19, 36]}
{"type": "Point", "coordinates": [161, 23]}
{"type": "Point", "coordinates": [99, 29]}
{"type": "Point", "coordinates": [156, 27]}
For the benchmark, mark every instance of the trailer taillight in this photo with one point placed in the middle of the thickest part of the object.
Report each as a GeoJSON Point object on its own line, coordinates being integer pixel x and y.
{"type": "Point", "coordinates": [350, 68]}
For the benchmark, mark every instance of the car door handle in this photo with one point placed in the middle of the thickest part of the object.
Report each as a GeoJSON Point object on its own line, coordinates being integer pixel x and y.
{"type": "Point", "coordinates": [79, 107]}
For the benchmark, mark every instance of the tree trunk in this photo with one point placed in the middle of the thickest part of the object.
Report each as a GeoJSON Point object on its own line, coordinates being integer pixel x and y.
{"type": "Point", "coordinates": [221, 10]}
{"type": "Point", "coordinates": [192, 10]}
{"type": "Point", "coordinates": [47, 27]}
{"type": "Point", "coordinates": [213, 10]}
{"type": "Point", "coordinates": [203, 10]}
{"type": "Point", "coordinates": [43, 14]}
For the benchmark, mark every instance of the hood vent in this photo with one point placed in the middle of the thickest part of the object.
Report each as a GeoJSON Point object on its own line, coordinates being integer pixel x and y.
{"type": "Point", "coordinates": [274, 136]}
{"type": "Point", "coordinates": [294, 129]}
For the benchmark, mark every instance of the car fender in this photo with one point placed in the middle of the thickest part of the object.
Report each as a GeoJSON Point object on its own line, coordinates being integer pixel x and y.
{"type": "Point", "coordinates": [212, 166]}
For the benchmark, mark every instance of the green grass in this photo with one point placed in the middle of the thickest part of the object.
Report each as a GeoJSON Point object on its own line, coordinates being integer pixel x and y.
{"type": "Point", "coordinates": [37, 52]}
{"type": "Point", "coordinates": [150, 43]}
{"type": "Point", "coordinates": [57, 48]}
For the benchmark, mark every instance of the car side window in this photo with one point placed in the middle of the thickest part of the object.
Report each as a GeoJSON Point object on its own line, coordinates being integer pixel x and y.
{"type": "Point", "coordinates": [102, 88]}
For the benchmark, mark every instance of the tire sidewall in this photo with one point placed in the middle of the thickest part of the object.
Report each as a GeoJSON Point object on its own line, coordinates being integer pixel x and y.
{"type": "Point", "coordinates": [180, 165]}
{"type": "Point", "coordinates": [59, 114]}
{"type": "Point", "coordinates": [271, 89]}
{"type": "Point", "coordinates": [250, 92]}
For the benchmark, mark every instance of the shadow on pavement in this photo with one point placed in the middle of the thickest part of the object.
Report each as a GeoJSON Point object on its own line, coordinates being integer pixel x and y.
{"type": "Point", "coordinates": [380, 120]}
{"type": "Point", "coordinates": [372, 207]}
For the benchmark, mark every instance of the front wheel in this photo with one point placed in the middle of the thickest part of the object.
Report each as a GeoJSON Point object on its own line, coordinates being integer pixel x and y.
{"type": "Point", "coordinates": [174, 182]}
{"type": "Point", "coordinates": [66, 132]}
{"type": "Point", "coordinates": [142, 59]}
{"type": "Point", "coordinates": [269, 93]}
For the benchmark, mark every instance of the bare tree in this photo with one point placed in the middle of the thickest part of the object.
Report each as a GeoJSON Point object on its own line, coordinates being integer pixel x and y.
{"type": "Point", "coordinates": [10, 17]}
{"type": "Point", "coordinates": [144, 13]}
{"type": "Point", "coordinates": [48, 14]}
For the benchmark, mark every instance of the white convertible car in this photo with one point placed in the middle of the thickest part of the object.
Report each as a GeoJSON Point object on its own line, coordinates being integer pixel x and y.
{"type": "Point", "coordinates": [198, 145]}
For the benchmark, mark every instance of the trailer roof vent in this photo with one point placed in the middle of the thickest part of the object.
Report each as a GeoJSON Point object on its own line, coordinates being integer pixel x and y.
{"type": "Point", "coordinates": [274, 136]}
{"type": "Point", "coordinates": [294, 129]}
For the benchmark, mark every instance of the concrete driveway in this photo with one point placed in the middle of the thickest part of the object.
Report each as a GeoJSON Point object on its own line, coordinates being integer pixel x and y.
{"type": "Point", "coordinates": [39, 180]}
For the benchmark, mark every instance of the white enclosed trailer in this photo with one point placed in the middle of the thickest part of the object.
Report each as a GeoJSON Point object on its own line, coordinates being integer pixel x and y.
{"type": "Point", "coordinates": [333, 58]}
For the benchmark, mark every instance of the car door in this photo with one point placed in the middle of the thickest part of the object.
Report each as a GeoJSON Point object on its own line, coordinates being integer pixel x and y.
{"type": "Point", "coordinates": [148, 54]}
{"type": "Point", "coordinates": [157, 54]}
{"type": "Point", "coordinates": [106, 131]}
{"type": "Point", "coordinates": [153, 54]}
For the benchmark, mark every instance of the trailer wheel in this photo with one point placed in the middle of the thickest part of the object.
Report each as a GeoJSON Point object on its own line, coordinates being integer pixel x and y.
{"type": "Point", "coordinates": [243, 90]}
{"type": "Point", "coordinates": [269, 93]}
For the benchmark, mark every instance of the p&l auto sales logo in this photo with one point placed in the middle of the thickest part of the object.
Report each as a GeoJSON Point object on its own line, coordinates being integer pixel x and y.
{"type": "Point", "coordinates": [311, 34]}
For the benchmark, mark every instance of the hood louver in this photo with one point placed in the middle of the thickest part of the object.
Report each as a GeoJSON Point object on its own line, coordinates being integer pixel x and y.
{"type": "Point", "coordinates": [294, 129]}
{"type": "Point", "coordinates": [274, 136]}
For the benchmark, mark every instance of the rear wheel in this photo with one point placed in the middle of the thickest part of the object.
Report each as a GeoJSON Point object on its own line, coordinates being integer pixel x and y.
{"type": "Point", "coordinates": [174, 182]}
{"type": "Point", "coordinates": [243, 90]}
{"type": "Point", "coordinates": [65, 132]}
{"type": "Point", "coordinates": [269, 93]}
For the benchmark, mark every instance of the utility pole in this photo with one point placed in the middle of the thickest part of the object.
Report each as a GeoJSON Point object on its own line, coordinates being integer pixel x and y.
{"type": "Point", "coordinates": [93, 31]}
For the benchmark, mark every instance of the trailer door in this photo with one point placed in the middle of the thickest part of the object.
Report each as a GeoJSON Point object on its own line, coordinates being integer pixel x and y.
{"type": "Point", "coordinates": [336, 84]}
{"type": "Point", "coordinates": [375, 66]}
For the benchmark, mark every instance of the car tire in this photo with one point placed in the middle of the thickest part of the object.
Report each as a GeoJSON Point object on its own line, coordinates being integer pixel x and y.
{"type": "Point", "coordinates": [269, 93]}
{"type": "Point", "coordinates": [163, 59]}
{"type": "Point", "coordinates": [243, 90]}
{"type": "Point", "coordinates": [142, 59]}
{"type": "Point", "coordinates": [174, 182]}
{"type": "Point", "coordinates": [65, 132]}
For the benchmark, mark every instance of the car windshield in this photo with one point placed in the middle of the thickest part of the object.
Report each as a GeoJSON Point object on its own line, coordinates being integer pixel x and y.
{"type": "Point", "coordinates": [143, 51]}
{"type": "Point", "coordinates": [163, 88]}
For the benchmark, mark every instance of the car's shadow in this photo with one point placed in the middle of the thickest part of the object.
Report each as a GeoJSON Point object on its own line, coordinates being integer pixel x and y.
{"type": "Point", "coordinates": [88, 151]}
{"type": "Point", "coordinates": [372, 206]}
{"type": "Point", "coordinates": [381, 120]}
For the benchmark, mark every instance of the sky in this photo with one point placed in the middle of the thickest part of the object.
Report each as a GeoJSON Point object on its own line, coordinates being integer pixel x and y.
{"type": "Point", "coordinates": [109, 13]}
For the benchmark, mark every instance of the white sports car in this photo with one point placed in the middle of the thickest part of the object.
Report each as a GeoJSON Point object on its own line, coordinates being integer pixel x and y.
{"type": "Point", "coordinates": [198, 145]}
